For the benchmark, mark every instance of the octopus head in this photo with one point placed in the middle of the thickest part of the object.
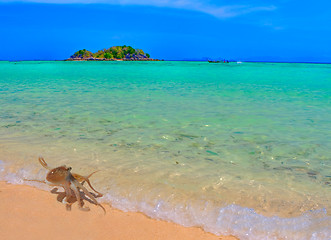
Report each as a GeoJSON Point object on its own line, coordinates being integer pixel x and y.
{"type": "Point", "coordinates": [58, 175]}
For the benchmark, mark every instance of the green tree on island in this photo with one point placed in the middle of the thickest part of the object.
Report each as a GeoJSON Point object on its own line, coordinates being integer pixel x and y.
{"type": "Point", "coordinates": [82, 54]}
{"type": "Point", "coordinates": [108, 55]}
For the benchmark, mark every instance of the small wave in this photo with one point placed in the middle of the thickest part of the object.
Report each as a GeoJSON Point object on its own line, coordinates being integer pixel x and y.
{"type": "Point", "coordinates": [235, 220]}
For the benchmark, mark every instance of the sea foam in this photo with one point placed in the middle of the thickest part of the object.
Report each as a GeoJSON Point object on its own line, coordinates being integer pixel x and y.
{"type": "Point", "coordinates": [235, 220]}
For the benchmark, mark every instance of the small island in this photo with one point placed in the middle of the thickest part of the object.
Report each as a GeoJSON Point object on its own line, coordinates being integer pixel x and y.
{"type": "Point", "coordinates": [115, 53]}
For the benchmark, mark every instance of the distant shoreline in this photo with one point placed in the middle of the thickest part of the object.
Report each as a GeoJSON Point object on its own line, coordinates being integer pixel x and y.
{"type": "Point", "coordinates": [161, 60]}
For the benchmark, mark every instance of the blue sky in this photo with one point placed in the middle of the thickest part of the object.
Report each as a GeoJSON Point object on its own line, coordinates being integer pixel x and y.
{"type": "Point", "coordinates": [255, 30]}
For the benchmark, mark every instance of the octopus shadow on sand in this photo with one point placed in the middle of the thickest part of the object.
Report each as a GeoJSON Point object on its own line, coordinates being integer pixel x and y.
{"type": "Point", "coordinates": [62, 195]}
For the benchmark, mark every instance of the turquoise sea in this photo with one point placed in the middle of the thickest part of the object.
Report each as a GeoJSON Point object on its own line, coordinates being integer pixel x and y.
{"type": "Point", "coordinates": [238, 148]}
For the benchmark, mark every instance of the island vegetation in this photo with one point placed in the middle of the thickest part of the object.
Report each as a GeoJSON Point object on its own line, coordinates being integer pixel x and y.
{"type": "Point", "coordinates": [115, 53]}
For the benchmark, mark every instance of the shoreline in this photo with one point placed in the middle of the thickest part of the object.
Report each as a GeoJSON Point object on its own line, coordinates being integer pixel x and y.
{"type": "Point", "coordinates": [30, 213]}
{"type": "Point", "coordinates": [157, 60]}
{"type": "Point", "coordinates": [162, 60]}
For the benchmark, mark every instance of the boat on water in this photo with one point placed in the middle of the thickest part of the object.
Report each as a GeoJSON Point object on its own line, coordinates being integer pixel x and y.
{"type": "Point", "coordinates": [217, 61]}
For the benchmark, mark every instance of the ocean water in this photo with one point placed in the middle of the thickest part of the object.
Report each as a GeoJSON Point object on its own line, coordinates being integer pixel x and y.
{"type": "Point", "coordinates": [240, 149]}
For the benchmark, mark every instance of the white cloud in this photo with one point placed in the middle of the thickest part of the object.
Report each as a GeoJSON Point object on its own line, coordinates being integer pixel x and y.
{"type": "Point", "coordinates": [220, 11]}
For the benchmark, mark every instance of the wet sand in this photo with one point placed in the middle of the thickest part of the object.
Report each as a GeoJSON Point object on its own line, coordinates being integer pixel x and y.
{"type": "Point", "coordinates": [29, 213]}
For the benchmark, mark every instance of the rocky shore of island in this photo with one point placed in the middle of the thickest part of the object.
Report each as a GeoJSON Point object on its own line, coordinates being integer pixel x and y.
{"type": "Point", "coordinates": [115, 53]}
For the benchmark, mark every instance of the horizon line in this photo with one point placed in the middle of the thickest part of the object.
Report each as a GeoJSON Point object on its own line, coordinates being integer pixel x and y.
{"type": "Point", "coordinates": [169, 60]}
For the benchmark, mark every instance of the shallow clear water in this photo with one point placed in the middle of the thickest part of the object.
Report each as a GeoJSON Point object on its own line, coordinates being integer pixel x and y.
{"type": "Point", "coordinates": [240, 149]}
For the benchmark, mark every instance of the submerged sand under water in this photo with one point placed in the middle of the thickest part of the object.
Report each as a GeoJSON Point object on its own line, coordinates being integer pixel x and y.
{"type": "Point", "coordinates": [240, 150]}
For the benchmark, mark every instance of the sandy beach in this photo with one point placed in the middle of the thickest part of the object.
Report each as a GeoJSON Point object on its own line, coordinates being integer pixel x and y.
{"type": "Point", "coordinates": [30, 213]}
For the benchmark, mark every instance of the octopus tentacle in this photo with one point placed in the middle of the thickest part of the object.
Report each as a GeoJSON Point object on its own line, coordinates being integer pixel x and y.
{"type": "Point", "coordinates": [86, 179]}
{"type": "Point", "coordinates": [43, 163]}
{"type": "Point", "coordinates": [76, 191]}
{"type": "Point", "coordinates": [78, 185]}
{"type": "Point", "coordinates": [67, 189]}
